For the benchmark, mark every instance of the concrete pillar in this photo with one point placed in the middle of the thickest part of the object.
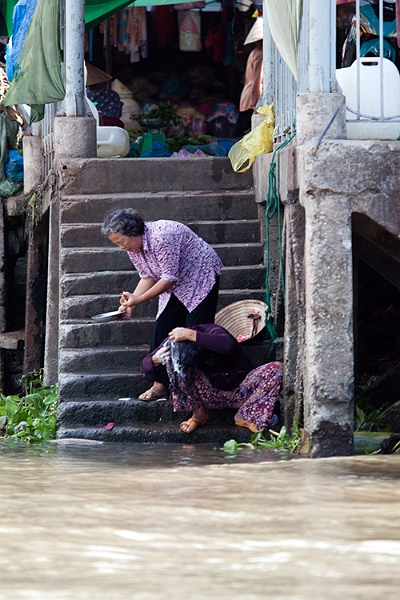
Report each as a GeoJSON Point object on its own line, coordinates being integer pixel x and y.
{"type": "Point", "coordinates": [53, 296]}
{"type": "Point", "coordinates": [321, 44]}
{"type": "Point", "coordinates": [33, 162]}
{"type": "Point", "coordinates": [313, 113]}
{"type": "Point", "coordinates": [328, 364]}
{"type": "Point", "coordinates": [75, 137]}
{"type": "Point", "coordinates": [74, 58]}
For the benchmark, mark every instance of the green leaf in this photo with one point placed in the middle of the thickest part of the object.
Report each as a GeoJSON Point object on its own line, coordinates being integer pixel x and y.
{"type": "Point", "coordinates": [231, 446]}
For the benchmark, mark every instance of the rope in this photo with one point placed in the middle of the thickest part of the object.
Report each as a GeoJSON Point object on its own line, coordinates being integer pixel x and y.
{"type": "Point", "coordinates": [273, 207]}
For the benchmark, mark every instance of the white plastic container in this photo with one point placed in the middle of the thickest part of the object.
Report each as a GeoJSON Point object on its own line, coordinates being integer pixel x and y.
{"type": "Point", "coordinates": [112, 141]}
{"type": "Point", "coordinates": [370, 98]}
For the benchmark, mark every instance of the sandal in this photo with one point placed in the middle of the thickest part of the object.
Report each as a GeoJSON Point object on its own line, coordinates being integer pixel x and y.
{"type": "Point", "coordinates": [252, 426]}
{"type": "Point", "coordinates": [193, 424]}
{"type": "Point", "coordinates": [151, 394]}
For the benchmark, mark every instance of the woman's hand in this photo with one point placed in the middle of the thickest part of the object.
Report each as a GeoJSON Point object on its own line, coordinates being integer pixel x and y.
{"type": "Point", "coordinates": [128, 299]}
{"type": "Point", "coordinates": [161, 357]}
{"type": "Point", "coordinates": [127, 312]}
{"type": "Point", "coordinates": [179, 334]}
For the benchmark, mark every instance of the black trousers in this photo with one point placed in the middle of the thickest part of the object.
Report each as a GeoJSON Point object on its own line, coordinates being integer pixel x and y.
{"type": "Point", "coordinates": [175, 314]}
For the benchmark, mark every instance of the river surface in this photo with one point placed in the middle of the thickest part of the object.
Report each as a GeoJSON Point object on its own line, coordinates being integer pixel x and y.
{"type": "Point", "coordinates": [88, 521]}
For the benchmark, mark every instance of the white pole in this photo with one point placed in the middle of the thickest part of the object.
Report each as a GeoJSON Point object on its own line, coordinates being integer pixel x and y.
{"type": "Point", "coordinates": [74, 58]}
{"type": "Point", "coordinates": [319, 47]}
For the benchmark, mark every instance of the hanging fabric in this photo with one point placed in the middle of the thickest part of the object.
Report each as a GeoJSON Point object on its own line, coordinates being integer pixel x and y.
{"type": "Point", "coordinates": [189, 31]}
{"type": "Point", "coordinates": [38, 80]}
{"type": "Point", "coordinates": [284, 23]}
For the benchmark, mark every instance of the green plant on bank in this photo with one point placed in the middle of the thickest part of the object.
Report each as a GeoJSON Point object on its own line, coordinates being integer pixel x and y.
{"type": "Point", "coordinates": [165, 111]}
{"type": "Point", "coordinates": [33, 416]}
{"type": "Point", "coordinates": [280, 441]}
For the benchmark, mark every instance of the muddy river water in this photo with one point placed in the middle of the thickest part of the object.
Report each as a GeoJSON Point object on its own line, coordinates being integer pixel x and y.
{"type": "Point", "coordinates": [145, 522]}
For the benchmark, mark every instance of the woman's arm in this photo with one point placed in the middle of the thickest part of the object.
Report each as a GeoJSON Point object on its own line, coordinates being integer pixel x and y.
{"type": "Point", "coordinates": [145, 292]}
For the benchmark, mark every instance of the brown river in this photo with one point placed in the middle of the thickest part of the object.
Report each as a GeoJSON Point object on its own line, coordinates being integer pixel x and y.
{"type": "Point", "coordinates": [91, 521]}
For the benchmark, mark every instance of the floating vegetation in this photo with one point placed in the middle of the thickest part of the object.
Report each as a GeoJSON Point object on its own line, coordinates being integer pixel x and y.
{"type": "Point", "coordinates": [280, 441]}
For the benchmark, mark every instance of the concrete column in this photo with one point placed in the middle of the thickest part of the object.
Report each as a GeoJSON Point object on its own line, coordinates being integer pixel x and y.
{"type": "Point", "coordinates": [53, 296]}
{"type": "Point", "coordinates": [33, 162]}
{"type": "Point", "coordinates": [74, 58]}
{"type": "Point", "coordinates": [313, 113]}
{"type": "Point", "coordinates": [328, 360]}
{"type": "Point", "coordinates": [75, 137]}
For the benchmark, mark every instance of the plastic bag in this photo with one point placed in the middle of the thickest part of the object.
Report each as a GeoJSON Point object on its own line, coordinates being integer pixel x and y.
{"type": "Point", "coordinates": [258, 141]}
{"type": "Point", "coordinates": [9, 188]}
{"type": "Point", "coordinates": [14, 168]}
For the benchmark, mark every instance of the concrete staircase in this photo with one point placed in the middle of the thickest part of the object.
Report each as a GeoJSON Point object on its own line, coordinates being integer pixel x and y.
{"type": "Point", "coordinates": [99, 363]}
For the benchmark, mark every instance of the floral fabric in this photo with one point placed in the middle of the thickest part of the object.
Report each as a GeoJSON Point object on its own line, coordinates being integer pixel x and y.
{"type": "Point", "coordinates": [173, 252]}
{"type": "Point", "coordinates": [255, 397]}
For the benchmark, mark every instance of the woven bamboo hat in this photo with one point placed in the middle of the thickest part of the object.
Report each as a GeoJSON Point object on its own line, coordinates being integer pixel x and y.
{"type": "Point", "coordinates": [95, 75]}
{"type": "Point", "coordinates": [243, 319]}
{"type": "Point", "coordinates": [256, 32]}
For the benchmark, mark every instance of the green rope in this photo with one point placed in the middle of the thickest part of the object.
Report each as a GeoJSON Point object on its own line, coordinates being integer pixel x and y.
{"type": "Point", "coordinates": [273, 207]}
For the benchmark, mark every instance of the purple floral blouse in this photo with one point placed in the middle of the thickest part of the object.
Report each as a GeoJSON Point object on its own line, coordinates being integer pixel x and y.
{"type": "Point", "coordinates": [172, 252]}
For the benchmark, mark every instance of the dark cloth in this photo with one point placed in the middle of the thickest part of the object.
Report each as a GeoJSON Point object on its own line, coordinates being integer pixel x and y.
{"type": "Point", "coordinates": [221, 358]}
{"type": "Point", "coordinates": [174, 315]}
{"type": "Point", "coordinates": [107, 102]}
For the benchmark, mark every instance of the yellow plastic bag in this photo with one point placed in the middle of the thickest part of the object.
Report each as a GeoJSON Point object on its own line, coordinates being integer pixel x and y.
{"type": "Point", "coordinates": [259, 141]}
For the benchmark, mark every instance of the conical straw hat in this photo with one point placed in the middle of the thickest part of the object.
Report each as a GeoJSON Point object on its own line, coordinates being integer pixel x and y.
{"type": "Point", "coordinates": [95, 75]}
{"type": "Point", "coordinates": [256, 32]}
{"type": "Point", "coordinates": [245, 318]}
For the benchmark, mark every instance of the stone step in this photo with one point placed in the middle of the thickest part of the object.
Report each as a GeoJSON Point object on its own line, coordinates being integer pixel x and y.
{"type": "Point", "coordinates": [115, 359]}
{"type": "Point", "coordinates": [98, 386]}
{"type": "Point", "coordinates": [192, 206]}
{"type": "Point", "coordinates": [79, 334]}
{"type": "Point", "coordinates": [78, 260]}
{"type": "Point", "coordinates": [82, 284]}
{"type": "Point", "coordinates": [213, 232]}
{"type": "Point", "coordinates": [84, 307]}
{"type": "Point", "coordinates": [158, 433]}
{"type": "Point", "coordinates": [130, 411]}
{"type": "Point", "coordinates": [118, 176]}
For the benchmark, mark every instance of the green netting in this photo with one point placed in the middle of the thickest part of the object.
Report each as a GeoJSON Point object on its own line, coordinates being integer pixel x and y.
{"type": "Point", "coordinates": [39, 80]}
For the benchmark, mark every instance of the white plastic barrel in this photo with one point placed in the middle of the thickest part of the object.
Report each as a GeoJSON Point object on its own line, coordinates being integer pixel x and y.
{"type": "Point", "coordinates": [112, 141]}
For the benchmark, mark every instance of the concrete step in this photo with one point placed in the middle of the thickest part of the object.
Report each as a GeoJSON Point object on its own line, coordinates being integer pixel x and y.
{"type": "Point", "coordinates": [83, 260]}
{"type": "Point", "coordinates": [118, 176]}
{"type": "Point", "coordinates": [237, 231]}
{"type": "Point", "coordinates": [115, 359]}
{"type": "Point", "coordinates": [117, 333]}
{"type": "Point", "coordinates": [98, 386]}
{"type": "Point", "coordinates": [84, 307]}
{"type": "Point", "coordinates": [158, 433]}
{"type": "Point", "coordinates": [202, 205]}
{"type": "Point", "coordinates": [130, 411]}
{"type": "Point", "coordinates": [82, 284]}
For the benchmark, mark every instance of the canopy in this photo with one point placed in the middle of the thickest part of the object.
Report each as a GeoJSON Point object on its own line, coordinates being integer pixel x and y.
{"type": "Point", "coordinates": [96, 11]}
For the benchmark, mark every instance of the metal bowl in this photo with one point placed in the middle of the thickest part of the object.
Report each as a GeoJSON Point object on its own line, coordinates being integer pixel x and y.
{"type": "Point", "coordinates": [151, 123]}
{"type": "Point", "coordinates": [115, 315]}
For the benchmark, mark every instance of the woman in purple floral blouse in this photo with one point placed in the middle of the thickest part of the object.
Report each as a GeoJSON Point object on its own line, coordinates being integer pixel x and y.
{"type": "Point", "coordinates": [208, 368]}
{"type": "Point", "coordinates": [174, 264]}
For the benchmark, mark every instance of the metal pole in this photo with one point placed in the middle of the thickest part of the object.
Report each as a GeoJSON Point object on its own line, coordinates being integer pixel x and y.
{"type": "Point", "coordinates": [319, 47]}
{"type": "Point", "coordinates": [74, 58]}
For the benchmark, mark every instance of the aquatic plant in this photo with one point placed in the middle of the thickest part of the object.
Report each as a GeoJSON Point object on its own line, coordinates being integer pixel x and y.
{"type": "Point", "coordinates": [31, 417]}
{"type": "Point", "coordinates": [280, 441]}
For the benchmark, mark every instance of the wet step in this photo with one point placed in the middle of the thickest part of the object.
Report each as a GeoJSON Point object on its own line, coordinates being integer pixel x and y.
{"type": "Point", "coordinates": [216, 231]}
{"type": "Point", "coordinates": [192, 206]}
{"type": "Point", "coordinates": [82, 260]}
{"type": "Point", "coordinates": [158, 433]}
{"type": "Point", "coordinates": [128, 411]}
